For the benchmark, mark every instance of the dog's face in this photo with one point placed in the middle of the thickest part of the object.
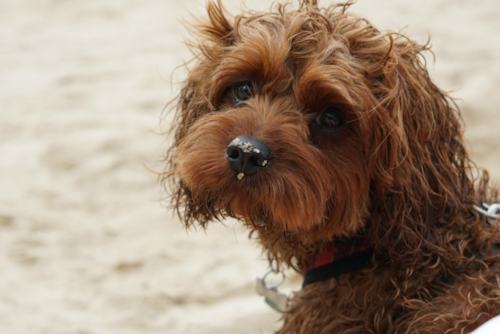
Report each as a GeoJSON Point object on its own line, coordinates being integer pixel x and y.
{"type": "Point", "coordinates": [296, 121]}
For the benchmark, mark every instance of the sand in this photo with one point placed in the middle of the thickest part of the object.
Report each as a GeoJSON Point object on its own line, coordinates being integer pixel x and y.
{"type": "Point", "coordinates": [86, 246]}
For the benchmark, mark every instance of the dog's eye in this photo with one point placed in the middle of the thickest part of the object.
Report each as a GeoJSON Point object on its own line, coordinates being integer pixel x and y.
{"type": "Point", "coordinates": [243, 91]}
{"type": "Point", "coordinates": [330, 118]}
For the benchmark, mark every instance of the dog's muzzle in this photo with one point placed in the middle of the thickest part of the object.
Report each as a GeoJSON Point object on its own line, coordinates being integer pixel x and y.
{"type": "Point", "coordinates": [246, 155]}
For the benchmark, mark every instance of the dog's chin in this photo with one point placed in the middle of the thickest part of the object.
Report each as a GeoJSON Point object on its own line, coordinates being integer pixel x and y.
{"type": "Point", "coordinates": [285, 203]}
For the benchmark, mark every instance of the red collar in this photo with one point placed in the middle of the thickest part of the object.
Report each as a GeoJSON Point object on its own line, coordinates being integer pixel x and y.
{"type": "Point", "coordinates": [339, 257]}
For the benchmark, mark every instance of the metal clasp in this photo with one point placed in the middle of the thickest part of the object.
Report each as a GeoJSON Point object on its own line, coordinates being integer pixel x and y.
{"type": "Point", "coordinates": [277, 300]}
{"type": "Point", "coordinates": [491, 211]}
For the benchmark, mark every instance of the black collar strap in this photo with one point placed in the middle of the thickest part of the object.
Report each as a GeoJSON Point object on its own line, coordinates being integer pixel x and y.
{"type": "Point", "coordinates": [340, 257]}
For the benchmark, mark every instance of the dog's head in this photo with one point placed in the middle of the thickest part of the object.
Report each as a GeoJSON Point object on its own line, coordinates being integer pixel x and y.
{"type": "Point", "coordinates": [310, 122]}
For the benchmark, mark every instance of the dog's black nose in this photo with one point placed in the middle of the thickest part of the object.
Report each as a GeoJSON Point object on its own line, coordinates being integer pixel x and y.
{"type": "Point", "coordinates": [246, 155]}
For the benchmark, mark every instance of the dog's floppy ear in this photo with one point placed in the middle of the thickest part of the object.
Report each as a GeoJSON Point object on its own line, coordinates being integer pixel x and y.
{"type": "Point", "coordinates": [421, 168]}
{"type": "Point", "coordinates": [214, 34]}
{"type": "Point", "coordinates": [190, 106]}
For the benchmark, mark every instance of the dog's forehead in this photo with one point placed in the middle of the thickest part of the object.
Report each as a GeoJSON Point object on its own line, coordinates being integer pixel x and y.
{"type": "Point", "coordinates": [286, 54]}
{"type": "Point", "coordinates": [287, 42]}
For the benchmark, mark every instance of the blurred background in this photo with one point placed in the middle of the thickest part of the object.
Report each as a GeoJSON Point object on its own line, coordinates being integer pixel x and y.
{"type": "Point", "coordinates": [86, 246]}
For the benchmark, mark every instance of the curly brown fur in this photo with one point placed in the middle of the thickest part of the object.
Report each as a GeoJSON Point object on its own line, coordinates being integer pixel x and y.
{"type": "Point", "coordinates": [398, 163]}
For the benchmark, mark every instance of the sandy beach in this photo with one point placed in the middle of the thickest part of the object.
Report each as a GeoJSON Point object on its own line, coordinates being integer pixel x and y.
{"type": "Point", "coordinates": [86, 245]}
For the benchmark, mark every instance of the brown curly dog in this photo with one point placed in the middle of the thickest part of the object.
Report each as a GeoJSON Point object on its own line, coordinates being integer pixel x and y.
{"type": "Point", "coordinates": [327, 138]}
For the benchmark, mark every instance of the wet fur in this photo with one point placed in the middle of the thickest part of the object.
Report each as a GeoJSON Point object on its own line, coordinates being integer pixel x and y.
{"type": "Point", "coordinates": [399, 165]}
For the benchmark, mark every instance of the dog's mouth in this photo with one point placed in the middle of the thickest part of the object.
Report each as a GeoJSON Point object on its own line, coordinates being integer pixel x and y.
{"type": "Point", "coordinates": [257, 219]}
